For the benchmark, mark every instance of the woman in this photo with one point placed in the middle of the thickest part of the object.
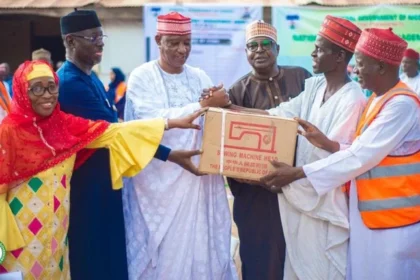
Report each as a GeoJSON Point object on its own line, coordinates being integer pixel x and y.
{"type": "Point", "coordinates": [116, 90]}
{"type": "Point", "coordinates": [38, 147]}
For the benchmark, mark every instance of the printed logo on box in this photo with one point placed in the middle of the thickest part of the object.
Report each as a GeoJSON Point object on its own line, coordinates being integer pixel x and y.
{"type": "Point", "coordinates": [265, 134]}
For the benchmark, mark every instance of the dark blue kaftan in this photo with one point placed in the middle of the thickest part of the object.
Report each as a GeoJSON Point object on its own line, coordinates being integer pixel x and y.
{"type": "Point", "coordinates": [96, 231]}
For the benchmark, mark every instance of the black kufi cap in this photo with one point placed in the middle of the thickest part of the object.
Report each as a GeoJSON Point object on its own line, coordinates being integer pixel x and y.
{"type": "Point", "coordinates": [79, 20]}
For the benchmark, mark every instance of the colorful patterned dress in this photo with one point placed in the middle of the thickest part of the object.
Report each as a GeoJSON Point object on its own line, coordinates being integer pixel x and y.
{"type": "Point", "coordinates": [41, 205]}
{"type": "Point", "coordinates": [41, 208]}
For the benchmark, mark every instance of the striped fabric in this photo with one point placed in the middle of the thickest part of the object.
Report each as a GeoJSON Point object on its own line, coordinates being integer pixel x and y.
{"type": "Point", "coordinates": [260, 29]}
{"type": "Point", "coordinates": [173, 24]}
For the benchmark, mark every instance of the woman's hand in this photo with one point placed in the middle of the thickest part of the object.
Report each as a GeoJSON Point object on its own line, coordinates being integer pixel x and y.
{"type": "Point", "coordinates": [183, 159]}
{"type": "Point", "coordinates": [187, 122]}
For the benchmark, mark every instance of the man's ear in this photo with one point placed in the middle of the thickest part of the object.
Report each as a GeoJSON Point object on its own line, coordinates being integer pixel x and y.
{"type": "Point", "coordinates": [382, 67]}
{"type": "Point", "coordinates": [158, 40]}
{"type": "Point", "coordinates": [70, 42]}
{"type": "Point", "coordinates": [341, 56]}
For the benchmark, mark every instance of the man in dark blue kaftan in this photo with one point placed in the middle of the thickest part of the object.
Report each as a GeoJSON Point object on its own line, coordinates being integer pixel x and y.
{"type": "Point", "coordinates": [96, 234]}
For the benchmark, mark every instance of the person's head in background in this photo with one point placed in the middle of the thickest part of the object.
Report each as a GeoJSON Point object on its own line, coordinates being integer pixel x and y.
{"type": "Point", "coordinates": [410, 63]}
{"type": "Point", "coordinates": [2, 72]}
{"type": "Point", "coordinates": [42, 55]}
{"type": "Point", "coordinates": [116, 76]}
{"type": "Point", "coordinates": [5, 68]}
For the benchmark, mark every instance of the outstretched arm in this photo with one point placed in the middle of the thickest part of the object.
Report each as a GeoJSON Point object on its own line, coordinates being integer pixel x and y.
{"type": "Point", "coordinates": [385, 133]}
{"type": "Point", "coordinates": [289, 109]}
{"type": "Point", "coordinates": [208, 95]}
{"type": "Point", "coordinates": [133, 144]}
{"type": "Point", "coordinates": [316, 137]}
{"type": "Point", "coordinates": [163, 152]}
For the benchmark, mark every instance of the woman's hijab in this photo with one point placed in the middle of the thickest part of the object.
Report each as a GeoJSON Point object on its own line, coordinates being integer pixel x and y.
{"type": "Point", "coordinates": [29, 143]}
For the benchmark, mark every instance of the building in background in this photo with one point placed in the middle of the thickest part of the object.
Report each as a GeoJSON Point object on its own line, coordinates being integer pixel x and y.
{"type": "Point", "coordinates": [28, 25]}
{"type": "Point", "coordinates": [36, 24]}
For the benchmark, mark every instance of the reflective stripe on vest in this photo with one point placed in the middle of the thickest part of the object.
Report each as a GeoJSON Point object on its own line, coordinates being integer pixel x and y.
{"type": "Point", "coordinates": [392, 203]}
{"type": "Point", "coordinates": [391, 171]}
{"type": "Point", "coordinates": [389, 194]}
{"type": "Point", "coordinates": [4, 98]}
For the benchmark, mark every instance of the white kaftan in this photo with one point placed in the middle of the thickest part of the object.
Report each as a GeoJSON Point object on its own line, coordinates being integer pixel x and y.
{"type": "Point", "coordinates": [178, 225]}
{"type": "Point", "coordinates": [413, 83]}
{"type": "Point", "coordinates": [316, 227]}
{"type": "Point", "coordinates": [388, 254]}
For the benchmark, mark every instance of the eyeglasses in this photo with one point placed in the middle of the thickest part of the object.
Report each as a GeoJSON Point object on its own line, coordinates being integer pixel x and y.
{"type": "Point", "coordinates": [265, 45]}
{"type": "Point", "coordinates": [94, 39]}
{"type": "Point", "coordinates": [39, 90]}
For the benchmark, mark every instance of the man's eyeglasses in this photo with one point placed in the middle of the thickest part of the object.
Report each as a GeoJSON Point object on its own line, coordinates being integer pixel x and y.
{"type": "Point", "coordinates": [39, 90]}
{"type": "Point", "coordinates": [93, 39]}
{"type": "Point", "coordinates": [265, 45]}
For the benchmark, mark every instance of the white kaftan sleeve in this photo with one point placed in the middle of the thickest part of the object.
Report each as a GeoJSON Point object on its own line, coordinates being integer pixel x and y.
{"type": "Point", "coordinates": [289, 109]}
{"type": "Point", "coordinates": [293, 108]}
{"type": "Point", "coordinates": [344, 123]}
{"type": "Point", "coordinates": [384, 134]}
{"type": "Point", "coordinates": [143, 101]}
{"type": "Point", "coordinates": [344, 146]}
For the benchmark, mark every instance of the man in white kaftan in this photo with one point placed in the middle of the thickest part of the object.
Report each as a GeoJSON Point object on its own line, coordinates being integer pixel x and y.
{"type": "Point", "coordinates": [334, 102]}
{"type": "Point", "coordinates": [377, 254]}
{"type": "Point", "coordinates": [178, 225]}
{"type": "Point", "coordinates": [410, 66]}
{"type": "Point", "coordinates": [316, 227]}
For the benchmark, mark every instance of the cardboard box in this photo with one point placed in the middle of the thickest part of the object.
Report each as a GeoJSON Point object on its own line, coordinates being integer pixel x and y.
{"type": "Point", "coordinates": [247, 141]}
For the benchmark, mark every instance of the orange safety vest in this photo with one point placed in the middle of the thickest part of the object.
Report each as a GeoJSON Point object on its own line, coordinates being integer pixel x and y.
{"type": "Point", "coordinates": [4, 98]}
{"type": "Point", "coordinates": [120, 91]}
{"type": "Point", "coordinates": [389, 193]}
